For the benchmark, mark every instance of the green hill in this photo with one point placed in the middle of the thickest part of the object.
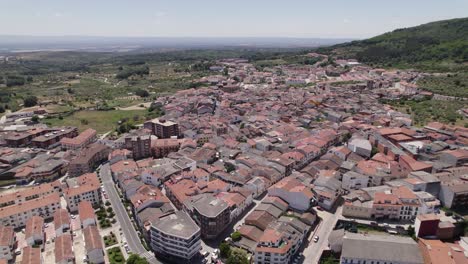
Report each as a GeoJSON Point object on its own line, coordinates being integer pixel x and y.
{"type": "Point", "coordinates": [438, 46]}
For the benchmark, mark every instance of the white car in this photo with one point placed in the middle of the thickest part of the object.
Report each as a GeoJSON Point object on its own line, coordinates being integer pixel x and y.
{"type": "Point", "coordinates": [316, 239]}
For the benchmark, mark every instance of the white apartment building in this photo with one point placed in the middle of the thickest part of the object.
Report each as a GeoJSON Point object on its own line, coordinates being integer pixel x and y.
{"type": "Point", "coordinates": [83, 188]}
{"type": "Point", "coordinates": [354, 181]}
{"type": "Point", "coordinates": [176, 235]}
{"type": "Point", "coordinates": [17, 215]}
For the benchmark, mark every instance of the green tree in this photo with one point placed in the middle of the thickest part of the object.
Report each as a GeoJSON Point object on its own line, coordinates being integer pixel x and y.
{"type": "Point", "coordinates": [35, 118]}
{"type": "Point", "coordinates": [2, 109]}
{"type": "Point", "coordinates": [225, 250]}
{"type": "Point", "coordinates": [236, 236]}
{"type": "Point", "coordinates": [135, 259]}
{"type": "Point", "coordinates": [237, 256]}
{"type": "Point", "coordinates": [142, 93]}
{"type": "Point", "coordinates": [30, 101]}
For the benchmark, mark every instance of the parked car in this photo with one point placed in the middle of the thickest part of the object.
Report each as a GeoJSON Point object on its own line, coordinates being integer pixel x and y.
{"type": "Point", "coordinates": [316, 239]}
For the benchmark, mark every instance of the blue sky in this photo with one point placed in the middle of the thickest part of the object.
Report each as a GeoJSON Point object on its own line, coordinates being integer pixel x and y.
{"type": "Point", "coordinates": [221, 18]}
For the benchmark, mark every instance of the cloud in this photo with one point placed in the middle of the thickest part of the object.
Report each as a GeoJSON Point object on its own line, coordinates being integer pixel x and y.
{"type": "Point", "coordinates": [346, 21]}
{"type": "Point", "coordinates": [160, 14]}
{"type": "Point", "coordinates": [58, 14]}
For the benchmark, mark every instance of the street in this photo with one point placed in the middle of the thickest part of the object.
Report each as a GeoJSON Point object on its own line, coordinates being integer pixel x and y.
{"type": "Point", "coordinates": [128, 229]}
{"type": "Point", "coordinates": [313, 251]}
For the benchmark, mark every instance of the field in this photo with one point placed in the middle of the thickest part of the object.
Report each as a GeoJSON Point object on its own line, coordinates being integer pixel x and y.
{"type": "Point", "coordinates": [454, 84]}
{"type": "Point", "coordinates": [101, 121]}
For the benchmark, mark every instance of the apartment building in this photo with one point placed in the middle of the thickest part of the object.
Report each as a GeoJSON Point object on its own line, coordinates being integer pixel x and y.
{"type": "Point", "coordinates": [34, 233]}
{"type": "Point", "coordinates": [210, 213]}
{"type": "Point", "coordinates": [273, 248]}
{"type": "Point", "coordinates": [87, 215]}
{"type": "Point", "coordinates": [31, 255]}
{"type": "Point", "coordinates": [176, 236]}
{"type": "Point", "coordinates": [7, 242]}
{"type": "Point", "coordinates": [93, 245]}
{"type": "Point", "coordinates": [52, 138]}
{"type": "Point", "coordinates": [61, 222]}
{"type": "Point", "coordinates": [64, 249]}
{"type": "Point", "coordinates": [83, 188]}
{"type": "Point", "coordinates": [27, 194]}
{"type": "Point", "coordinates": [162, 147]}
{"type": "Point", "coordinates": [139, 145]}
{"type": "Point", "coordinates": [89, 158]}
{"type": "Point", "coordinates": [162, 128]}
{"type": "Point", "coordinates": [17, 215]}
{"type": "Point", "coordinates": [82, 140]}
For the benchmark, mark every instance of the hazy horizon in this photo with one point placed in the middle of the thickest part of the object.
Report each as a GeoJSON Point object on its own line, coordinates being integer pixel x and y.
{"type": "Point", "coordinates": [337, 19]}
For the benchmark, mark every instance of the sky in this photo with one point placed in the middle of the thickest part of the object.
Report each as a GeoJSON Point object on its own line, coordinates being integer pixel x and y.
{"type": "Point", "coordinates": [221, 18]}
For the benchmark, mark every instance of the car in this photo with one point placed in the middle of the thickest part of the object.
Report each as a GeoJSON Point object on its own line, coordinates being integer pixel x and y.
{"type": "Point", "coordinates": [216, 251]}
{"type": "Point", "coordinates": [46, 225]}
{"type": "Point", "coordinates": [316, 239]}
{"type": "Point", "coordinates": [205, 254]}
{"type": "Point", "coordinates": [73, 216]}
{"type": "Point", "coordinates": [319, 208]}
{"type": "Point", "coordinates": [18, 252]}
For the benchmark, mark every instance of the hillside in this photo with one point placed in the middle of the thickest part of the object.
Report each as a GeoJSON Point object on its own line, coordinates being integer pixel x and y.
{"type": "Point", "coordinates": [438, 46]}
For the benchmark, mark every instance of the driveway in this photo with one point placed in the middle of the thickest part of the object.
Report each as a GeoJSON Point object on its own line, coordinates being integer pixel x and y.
{"type": "Point", "coordinates": [129, 231]}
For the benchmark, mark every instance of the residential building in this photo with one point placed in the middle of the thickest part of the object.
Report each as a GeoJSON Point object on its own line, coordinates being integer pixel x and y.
{"type": "Point", "coordinates": [354, 181]}
{"type": "Point", "coordinates": [210, 213]}
{"type": "Point", "coordinates": [176, 236]}
{"type": "Point", "coordinates": [294, 192]}
{"type": "Point", "coordinates": [31, 255]}
{"type": "Point", "coordinates": [139, 145]}
{"type": "Point", "coordinates": [64, 249]}
{"type": "Point", "coordinates": [17, 215]}
{"type": "Point", "coordinates": [162, 147]}
{"type": "Point", "coordinates": [162, 128]}
{"type": "Point", "coordinates": [61, 222]}
{"type": "Point", "coordinates": [93, 245]}
{"type": "Point", "coordinates": [89, 158]}
{"type": "Point", "coordinates": [52, 138]}
{"type": "Point", "coordinates": [7, 242]}
{"type": "Point", "coordinates": [34, 233]}
{"type": "Point", "coordinates": [83, 188]}
{"type": "Point", "coordinates": [82, 140]}
{"type": "Point", "coordinates": [86, 212]}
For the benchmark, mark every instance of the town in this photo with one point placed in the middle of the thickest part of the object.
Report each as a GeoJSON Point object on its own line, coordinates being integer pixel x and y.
{"type": "Point", "coordinates": [279, 164]}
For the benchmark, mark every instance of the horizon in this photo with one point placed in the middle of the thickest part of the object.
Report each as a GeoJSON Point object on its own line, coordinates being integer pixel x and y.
{"type": "Point", "coordinates": [211, 19]}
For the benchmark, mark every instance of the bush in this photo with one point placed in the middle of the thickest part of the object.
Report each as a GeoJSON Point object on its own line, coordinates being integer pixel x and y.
{"type": "Point", "coordinates": [30, 101]}
{"type": "Point", "coordinates": [225, 250]}
{"type": "Point", "coordinates": [236, 236]}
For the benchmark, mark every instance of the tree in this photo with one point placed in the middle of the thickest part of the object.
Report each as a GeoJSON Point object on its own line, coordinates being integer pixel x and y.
{"type": "Point", "coordinates": [35, 118]}
{"type": "Point", "coordinates": [30, 101]}
{"type": "Point", "coordinates": [236, 236]}
{"type": "Point", "coordinates": [2, 109]}
{"type": "Point", "coordinates": [142, 93]}
{"type": "Point", "coordinates": [224, 250]}
{"type": "Point", "coordinates": [237, 256]}
{"type": "Point", "coordinates": [135, 259]}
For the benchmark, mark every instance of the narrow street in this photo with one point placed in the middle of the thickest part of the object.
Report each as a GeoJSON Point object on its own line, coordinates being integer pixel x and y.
{"type": "Point", "coordinates": [313, 251]}
{"type": "Point", "coordinates": [128, 229]}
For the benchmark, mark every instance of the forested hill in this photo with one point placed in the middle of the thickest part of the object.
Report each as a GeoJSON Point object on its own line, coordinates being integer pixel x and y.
{"type": "Point", "coordinates": [441, 45]}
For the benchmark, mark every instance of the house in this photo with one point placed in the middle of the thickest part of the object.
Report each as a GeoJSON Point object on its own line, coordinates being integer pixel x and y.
{"type": "Point", "coordinates": [354, 181]}
{"type": "Point", "coordinates": [326, 191]}
{"type": "Point", "coordinates": [294, 192]}
{"type": "Point", "coordinates": [361, 147]}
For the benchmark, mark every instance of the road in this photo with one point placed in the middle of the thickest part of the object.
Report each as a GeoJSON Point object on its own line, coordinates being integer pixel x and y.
{"type": "Point", "coordinates": [314, 250]}
{"type": "Point", "coordinates": [128, 229]}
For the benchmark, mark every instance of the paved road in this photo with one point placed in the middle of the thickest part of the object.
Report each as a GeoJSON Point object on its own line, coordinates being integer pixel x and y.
{"type": "Point", "coordinates": [314, 250]}
{"type": "Point", "coordinates": [128, 229]}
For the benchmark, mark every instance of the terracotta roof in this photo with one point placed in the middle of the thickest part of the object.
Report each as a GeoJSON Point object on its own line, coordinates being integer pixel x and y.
{"type": "Point", "coordinates": [85, 183]}
{"type": "Point", "coordinates": [31, 255]}
{"type": "Point", "coordinates": [7, 236]}
{"type": "Point", "coordinates": [92, 238]}
{"type": "Point", "coordinates": [85, 210]}
{"type": "Point", "coordinates": [29, 205]}
{"type": "Point", "coordinates": [34, 226]}
{"type": "Point", "coordinates": [63, 248]}
{"type": "Point", "coordinates": [61, 217]}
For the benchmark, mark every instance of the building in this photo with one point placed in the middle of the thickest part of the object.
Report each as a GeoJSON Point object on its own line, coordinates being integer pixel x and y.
{"type": "Point", "coordinates": [52, 138]}
{"type": "Point", "coordinates": [17, 215]}
{"type": "Point", "coordinates": [139, 145]}
{"type": "Point", "coordinates": [83, 188]}
{"type": "Point", "coordinates": [82, 140]}
{"type": "Point", "coordinates": [426, 225]}
{"type": "Point", "coordinates": [31, 255]}
{"type": "Point", "coordinates": [93, 245]}
{"type": "Point", "coordinates": [273, 248]}
{"type": "Point", "coordinates": [435, 251]}
{"type": "Point", "coordinates": [176, 236]}
{"type": "Point", "coordinates": [64, 250]}
{"type": "Point", "coordinates": [27, 194]}
{"type": "Point", "coordinates": [34, 233]}
{"type": "Point", "coordinates": [61, 222]}
{"type": "Point", "coordinates": [7, 242]}
{"type": "Point", "coordinates": [86, 212]}
{"type": "Point", "coordinates": [354, 181]}
{"type": "Point", "coordinates": [294, 192]}
{"type": "Point", "coordinates": [162, 147]}
{"type": "Point", "coordinates": [360, 248]}
{"type": "Point", "coordinates": [454, 194]}
{"type": "Point", "coordinates": [89, 158]}
{"type": "Point", "coordinates": [162, 128]}
{"type": "Point", "coordinates": [210, 213]}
